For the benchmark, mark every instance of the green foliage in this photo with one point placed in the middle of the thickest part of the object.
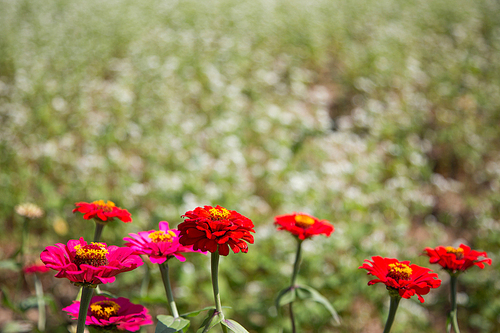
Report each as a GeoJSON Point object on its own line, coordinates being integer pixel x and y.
{"type": "Point", "coordinates": [380, 116]}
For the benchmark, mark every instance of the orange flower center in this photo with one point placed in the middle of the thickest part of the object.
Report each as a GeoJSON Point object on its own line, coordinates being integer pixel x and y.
{"type": "Point", "coordinates": [162, 236]}
{"type": "Point", "coordinates": [93, 254]}
{"type": "Point", "coordinates": [219, 213]}
{"type": "Point", "coordinates": [459, 252]}
{"type": "Point", "coordinates": [399, 271]}
{"type": "Point", "coordinates": [105, 206]}
{"type": "Point", "coordinates": [303, 221]}
{"type": "Point", "coordinates": [104, 309]}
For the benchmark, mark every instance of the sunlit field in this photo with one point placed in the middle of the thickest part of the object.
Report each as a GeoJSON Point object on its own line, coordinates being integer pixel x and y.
{"type": "Point", "coordinates": [381, 117]}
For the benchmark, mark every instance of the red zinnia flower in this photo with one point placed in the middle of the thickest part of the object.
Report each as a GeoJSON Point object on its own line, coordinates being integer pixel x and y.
{"type": "Point", "coordinates": [102, 210]}
{"type": "Point", "coordinates": [159, 245]}
{"type": "Point", "coordinates": [303, 225]}
{"type": "Point", "coordinates": [402, 277]}
{"type": "Point", "coordinates": [212, 229]}
{"type": "Point", "coordinates": [92, 263]}
{"type": "Point", "coordinates": [111, 313]}
{"type": "Point", "coordinates": [456, 259]}
{"type": "Point", "coordinates": [36, 268]}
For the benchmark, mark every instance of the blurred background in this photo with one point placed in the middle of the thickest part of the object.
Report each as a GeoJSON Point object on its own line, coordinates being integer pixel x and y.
{"type": "Point", "coordinates": [379, 116]}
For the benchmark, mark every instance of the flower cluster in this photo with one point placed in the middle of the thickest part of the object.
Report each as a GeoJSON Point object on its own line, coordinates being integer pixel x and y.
{"type": "Point", "coordinates": [103, 211]}
{"type": "Point", "coordinates": [456, 260]}
{"type": "Point", "coordinates": [89, 264]}
{"type": "Point", "coordinates": [160, 245]}
{"type": "Point", "coordinates": [216, 229]}
{"type": "Point", "coordinates": [401, 277]}
{"type": "Point", "coordinates": [303, 225]}
{"type": "Point", "coordinates": [112, 313]}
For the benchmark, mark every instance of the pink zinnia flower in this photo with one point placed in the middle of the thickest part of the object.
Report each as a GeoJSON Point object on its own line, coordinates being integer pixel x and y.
{"type": "Point", "coordinates": [92, 264]}
{"type": "Point", "coordinates": [160, 245]}
{"type": "Point", "coordinates": [457, 260]}
{"type": "Point", "coordinates": [111, 313]}
{"type": "Point", "coordinates": [399, 276]}
{"type": "Point", "coordinates": [104, 211]}
{"type": "Point", "coordinates": [303, 225]}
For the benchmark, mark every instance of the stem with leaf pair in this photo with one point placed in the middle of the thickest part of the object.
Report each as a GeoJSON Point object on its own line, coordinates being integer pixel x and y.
{"type": "Point", "coordinates": [296, 267]}
{"type": "Point", "coordinates": [215, 285]}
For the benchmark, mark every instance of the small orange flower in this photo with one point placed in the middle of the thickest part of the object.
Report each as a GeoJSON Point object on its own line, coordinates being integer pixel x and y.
{"type": "Point", "coordinates": [303, 225]}
{"type": "Point", "coordinates": [102, 210]}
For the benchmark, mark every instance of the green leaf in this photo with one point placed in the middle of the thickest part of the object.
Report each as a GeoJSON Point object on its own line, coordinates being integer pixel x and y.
{"type": "Point", "coordinates": [197, 312]}
{"type": "Point", "coordinates": [105, 293]}
{"type": "Point", "coordinates": [213, 318]}
{"type": "Point", "coordinates": [169, 324]}
{"type": "Point", "coordinates": [9, 264]}
{"type": "Point", "coordinates": [7, 302]}
{"type": "Point", "coordinates": [306, 292]}
{"type": "Point", "coordinates": [234, 326]}
{"type": "Point", "coordinates": [285, 296]}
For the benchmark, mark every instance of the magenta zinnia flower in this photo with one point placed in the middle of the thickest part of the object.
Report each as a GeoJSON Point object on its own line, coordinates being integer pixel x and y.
{"type": "Point", "coordinates": [89, 264]}
{"type": "Point", "coordinates": [399, 276]}
{"type": "Point", "coordinates": [111, 313]}
{"type": "Point", "coordinates": [35, 268]}
{"type": "Point", "coordinates": [160, 245]}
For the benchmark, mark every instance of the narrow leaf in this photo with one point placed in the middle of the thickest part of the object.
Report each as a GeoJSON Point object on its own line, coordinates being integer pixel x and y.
{"type": "Point", "coordinates": [306, 292]}
{"type": "Point", "coordinates": [197, 312]}
{"type": "Point", "coordinates": [234, 326]}
{"type": "Point", "coordinates": [213, 318]}
{"type": "Point", "coordinates": [285, 296]}
{"type": "Point", "coordinates": [169, 324]}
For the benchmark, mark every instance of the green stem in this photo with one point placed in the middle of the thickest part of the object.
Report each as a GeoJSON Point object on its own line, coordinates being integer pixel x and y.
{"type": "Point", "coordinates": [84, 305]}
{"type": "Point", "coordinates": [392, 313]}
{"type": "Point", "coordinates": [98, 230]}
{"type": "Point", "coordinates": [453, 312]}
{"type": "Point", "coordinates": [24, 240]}
{"type": "Point", "coordinates": [145, 281]}
{"type": "Point", "coordinates": [41, 304]}
{"type": "Point", "coordinates": [168, 289]}
{"type": "Point", "coordinates": [215, 285]}
{"type": "Point", "coordinates": [296, 267]}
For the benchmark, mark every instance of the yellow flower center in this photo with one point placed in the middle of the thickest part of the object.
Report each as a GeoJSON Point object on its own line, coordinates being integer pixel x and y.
{"type": "Point", "coordinates": [105, 206]}
{"type": "Point", "coordinates": [104, 309]}
{"type": "Point", "coordinates": [399, 271]}
{"type": "Point", "coordinates": [219, 213]}
{"type": "Point", "coordinates": [162, 236]}
{"type": "Point", "coordinates": [459, 252]}
{"type": "Point", "coordinates": [93, 254]}
{"type": "Point", "coordinates": [303, 221]}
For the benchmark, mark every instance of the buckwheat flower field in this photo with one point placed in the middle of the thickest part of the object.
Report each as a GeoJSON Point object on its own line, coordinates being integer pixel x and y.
{"type": "Point", "coordinates": [122, 119]}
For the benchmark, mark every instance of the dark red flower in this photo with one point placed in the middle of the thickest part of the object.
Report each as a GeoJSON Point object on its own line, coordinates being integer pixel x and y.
{"type": "Point", "coordinates": [456, 260]}
{"type": "Point", "coordinates": [402, 277]}
{"type": "Point", "coordinates": [112, 313]}
{"type": "Point", "coordinates": [303, 225]}
{"type": "Point", "coordinates": [216, 228]}
{"type": "Point", "coordinates": [89, 264]}
{"type": "Point", "coordinates": [102, 210]}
